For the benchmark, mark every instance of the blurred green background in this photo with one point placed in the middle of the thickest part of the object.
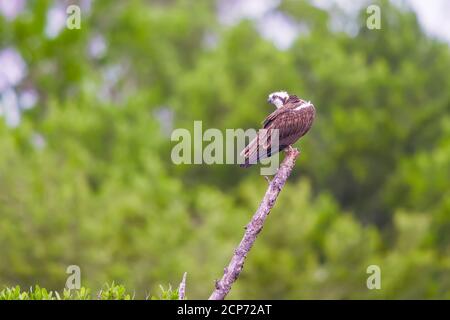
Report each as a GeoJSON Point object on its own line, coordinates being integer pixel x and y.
{"type": "Point", "coordinates": [86, 176]}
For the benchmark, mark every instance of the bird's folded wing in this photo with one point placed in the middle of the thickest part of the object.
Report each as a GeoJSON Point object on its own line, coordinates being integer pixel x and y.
{"type": "Point", "coordinates": [259, 143]}
{"type": "Point", "coordinates": [289, 123]}
{"type": "Point", "coordinates": [273, 116]}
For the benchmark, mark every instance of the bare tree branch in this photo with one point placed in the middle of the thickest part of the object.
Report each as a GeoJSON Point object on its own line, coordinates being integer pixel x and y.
{"type": "Point", "coordinates": [182, 288]}
{"type": "Point", "coordinates": [231, 273]}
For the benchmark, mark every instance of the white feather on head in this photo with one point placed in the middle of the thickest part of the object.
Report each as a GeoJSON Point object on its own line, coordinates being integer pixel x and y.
{"type": "Point", "coordinates": [278, 98]}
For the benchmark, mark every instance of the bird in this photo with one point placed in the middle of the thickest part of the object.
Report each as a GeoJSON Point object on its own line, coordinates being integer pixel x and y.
{"type": "Point", "coordinates": [292, 118]}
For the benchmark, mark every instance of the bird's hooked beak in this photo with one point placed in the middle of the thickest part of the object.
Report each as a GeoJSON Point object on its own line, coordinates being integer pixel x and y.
{"type": "Point", "coordinates": [269, 100]}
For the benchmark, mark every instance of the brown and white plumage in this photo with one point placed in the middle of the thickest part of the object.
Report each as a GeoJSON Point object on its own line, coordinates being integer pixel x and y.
{"type": "Point", "coordinates": [293, 119]}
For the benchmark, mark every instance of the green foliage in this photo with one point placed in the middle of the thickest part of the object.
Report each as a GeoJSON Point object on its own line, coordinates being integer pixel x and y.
{"type": "Point", "coordinates": [114, 292]}
{"type": "Point", "coordinates": [371, 185]}
{"type": "Point", "coordinates": [166, 294]}
{"type": "Point", "coordinates": [109, 292]}
{"type": "Point", "coordinates": [38, 293]}
{"type": "Point", "coordinates": [77, 294]}
{"type": "Point", "coordinates": [13, 293]}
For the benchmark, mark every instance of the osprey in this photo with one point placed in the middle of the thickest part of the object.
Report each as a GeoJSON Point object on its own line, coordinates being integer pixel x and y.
{"type": "Point", "coordinates": [292, 118]}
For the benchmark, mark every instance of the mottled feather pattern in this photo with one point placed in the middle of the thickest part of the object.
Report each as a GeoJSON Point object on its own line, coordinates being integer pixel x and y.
{"type": "Point", "coordinates": [291, 125]}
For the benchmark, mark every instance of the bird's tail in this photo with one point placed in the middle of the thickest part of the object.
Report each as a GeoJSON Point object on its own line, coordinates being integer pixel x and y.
{"type": "Point", "coordinates": [259, 148]}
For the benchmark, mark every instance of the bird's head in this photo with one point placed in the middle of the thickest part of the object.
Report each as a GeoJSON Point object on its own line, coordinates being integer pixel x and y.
{"type": "Point", "coordinates": [278, 98]}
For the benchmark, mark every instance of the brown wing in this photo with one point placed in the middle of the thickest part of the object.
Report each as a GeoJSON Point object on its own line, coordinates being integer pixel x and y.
{"type": "Point", "coordinates": [291, 125]}
{"type": "Point", "coordinates": [258, 148]}
{"type": "Point", "coordinates": [273, 116]}
{"type": "Point", "coordinates": [291, 103]}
